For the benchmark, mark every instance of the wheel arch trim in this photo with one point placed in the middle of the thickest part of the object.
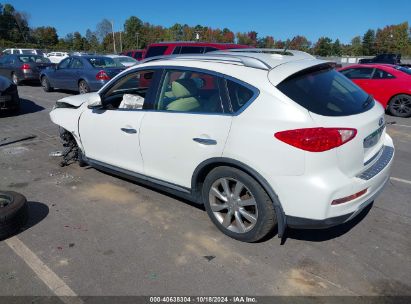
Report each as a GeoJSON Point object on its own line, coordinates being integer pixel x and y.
{"type": "Point", "coordinates": [206, 166]}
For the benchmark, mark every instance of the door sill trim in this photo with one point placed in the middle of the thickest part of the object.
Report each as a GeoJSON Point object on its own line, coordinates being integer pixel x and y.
{"type": "Point", "coordinates": [136, 176]}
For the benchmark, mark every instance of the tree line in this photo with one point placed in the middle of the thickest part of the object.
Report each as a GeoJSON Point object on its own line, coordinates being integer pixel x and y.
{"type": "Point", "coordinates": [16, 32]}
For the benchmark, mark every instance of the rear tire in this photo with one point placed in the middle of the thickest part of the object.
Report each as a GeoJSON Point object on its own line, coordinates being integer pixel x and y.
{"type": "Point", "coordinates": [83, 87]}
{"type": "Point", "coordinates": [400, 105]}
{"type": "Point", "coordinates": [238, 205]}
{"type": "Point", "coordinates": [45, 83]}
{"type": "Point", "coordinates": [13, 213]}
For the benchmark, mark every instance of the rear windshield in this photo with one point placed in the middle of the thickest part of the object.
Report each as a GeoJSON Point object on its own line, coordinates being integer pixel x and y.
{"type": "Point", "coordinates": [28, 52]}
{"type": "Point", "coordinates": [403, 69]}
{"type": "Point", "coordinates": [103, 62]}
{"type": "Point", "coordinates": [323, 90]}
{"type": "Point", "coordinates": [33, 58]}
{"type": "Point", "coordinates": [155, 51]}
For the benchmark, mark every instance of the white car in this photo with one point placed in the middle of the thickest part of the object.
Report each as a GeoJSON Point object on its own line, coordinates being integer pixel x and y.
{"type": "Point", "coordinates": [124, 60]}
{"type": "Point", "coordinates": [23, 52]}
{"type": "Point", "coordinates": [56, 57]}
{"type": "Point", "coordinates": [259, 137]}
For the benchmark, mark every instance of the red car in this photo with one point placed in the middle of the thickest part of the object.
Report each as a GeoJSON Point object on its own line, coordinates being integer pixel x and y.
{"type": "Point", "coordinates": [136, 54]}
{"type": "Point", "coordinates": [173, 48]}
{"type": "Point", "coordinates": [389, 84]}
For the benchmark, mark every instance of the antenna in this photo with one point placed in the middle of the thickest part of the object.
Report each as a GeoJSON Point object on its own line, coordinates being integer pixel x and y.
{"type": "Point", "coordinates": [288, 45]}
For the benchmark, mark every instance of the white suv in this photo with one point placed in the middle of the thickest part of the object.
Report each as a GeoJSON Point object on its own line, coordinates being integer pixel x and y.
{"type": "Point", "coordinates": [259, 137]}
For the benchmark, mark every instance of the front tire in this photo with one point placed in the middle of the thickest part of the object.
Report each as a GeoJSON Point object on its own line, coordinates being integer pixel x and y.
{"type": "Point", "coordinates": [238, 205]}
{"type": "Point", "coordinates": [83, 87]}
{"type": "Point", "coordinates": [400, 105]}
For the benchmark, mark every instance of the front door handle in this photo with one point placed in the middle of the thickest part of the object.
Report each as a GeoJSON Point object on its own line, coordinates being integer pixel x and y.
{"type": "Point", "coordinates": [205, 141]}
{"type": "Point", "coordinates": [129, 130]}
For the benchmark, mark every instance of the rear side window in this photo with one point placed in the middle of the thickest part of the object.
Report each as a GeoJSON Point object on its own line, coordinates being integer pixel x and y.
{"type": "Point", "coordinates": [380, 74]}
{"type": "Point", "coordinates": [102, 62]}
{"type": "Point", "coordinates": [358, 73]}
{"type": "Point", "coordinates": [156, 51]}
{"type": "Point", "coordinates": [326, 92]}
{"type": "Point", "coordinates": [239, 95]}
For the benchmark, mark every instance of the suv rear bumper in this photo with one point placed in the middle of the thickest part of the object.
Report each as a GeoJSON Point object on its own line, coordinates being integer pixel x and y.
{"type": "Point", "coordinates": [312, 204]}
{"type": "Point", "coordinates": [305, 223]}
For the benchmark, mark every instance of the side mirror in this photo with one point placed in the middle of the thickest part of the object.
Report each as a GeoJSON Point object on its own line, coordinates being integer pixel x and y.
{"type": "Point", "coordinates": [94, 101]}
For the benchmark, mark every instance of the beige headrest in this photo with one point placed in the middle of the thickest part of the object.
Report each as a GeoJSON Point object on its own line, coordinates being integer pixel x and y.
{"type": "Point", "coordinates": [183, 88]}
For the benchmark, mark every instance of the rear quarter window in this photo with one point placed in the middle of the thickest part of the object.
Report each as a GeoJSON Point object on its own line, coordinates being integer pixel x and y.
{"type": "Point", "coordinates": [239, 95]}
{"type": "Point", "coordinates": [324, 91]}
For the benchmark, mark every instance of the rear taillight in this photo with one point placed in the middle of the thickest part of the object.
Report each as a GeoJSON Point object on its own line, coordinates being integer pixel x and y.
{"type": "Point", "coordinates": [316, 139]}
{"type": "Point", "coordinates": [25, 66]}
{"type": "Point", "coordinates": [102, 75]}
{"type": "Point", "coordinates": [348, 198]}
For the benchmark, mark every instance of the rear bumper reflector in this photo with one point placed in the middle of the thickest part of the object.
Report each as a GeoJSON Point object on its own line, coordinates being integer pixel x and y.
{"type": "Point", "coordinates": [348, 198]}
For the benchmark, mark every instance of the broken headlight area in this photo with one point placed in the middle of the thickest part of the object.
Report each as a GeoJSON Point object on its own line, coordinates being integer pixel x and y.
{"type": "Point", "coordinates": [63, 105]}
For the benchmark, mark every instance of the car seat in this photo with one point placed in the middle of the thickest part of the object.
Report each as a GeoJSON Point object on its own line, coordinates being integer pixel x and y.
{"type": "Point", "coordinates": [185, 91]}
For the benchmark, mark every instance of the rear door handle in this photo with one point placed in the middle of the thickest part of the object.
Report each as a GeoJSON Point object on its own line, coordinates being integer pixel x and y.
{"type": "Point", "coordinates": [129, 130]}
{"type": "Point", "coordinates": [205, 141]}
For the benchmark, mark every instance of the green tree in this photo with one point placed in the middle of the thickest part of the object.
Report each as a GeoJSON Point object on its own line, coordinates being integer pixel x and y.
{"type": "Point", "coordinates": [78, 44]}
{"type": "Point", "coordinates": [337, 49]}
{"type": "Point", "coordinates": [356, 46]}
{"type": "Point", "coordinates": [323, 47]}
{"type": "Point", "coordinates": [45, 36]}
{"type": "Point", "coordinates": [92, 41]}
{"type": "Point", "coordinates": [132, 29]}
{"type": "Point", "coordinates": [368, 43]}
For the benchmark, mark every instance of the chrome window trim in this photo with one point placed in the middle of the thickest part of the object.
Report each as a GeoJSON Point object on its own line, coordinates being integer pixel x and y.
{"type": "Point", "coordinates": [256, 92]}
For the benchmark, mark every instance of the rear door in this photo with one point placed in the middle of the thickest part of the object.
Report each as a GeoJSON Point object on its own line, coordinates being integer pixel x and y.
{"type": "Point", "coordinates": [188, 124]}
{"type": "Point", "coordinates": [74, 72]}
{"type": "Point", "coordinates": [61, 75]}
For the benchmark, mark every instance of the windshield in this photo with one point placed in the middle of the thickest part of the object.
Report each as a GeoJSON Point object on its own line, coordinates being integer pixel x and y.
{"type": "Point", "coordinates": [323, 90]}
{"type": "Point", "coordinates": [103, 62]}
{"type": "Point", "coordinates": [33, 58]}
{"type": "Point", "coordinates": [402, 69]}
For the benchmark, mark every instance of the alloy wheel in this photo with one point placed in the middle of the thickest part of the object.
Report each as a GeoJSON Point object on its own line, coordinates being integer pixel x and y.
{"type": "Point", "coordinates": [15, 79]}
{"type": "Point", "coordinates": [401, 105]}
{"type": "Point", "coordinates": [233, 205]}
{"type": "Point", "coordinates": [83, 89]}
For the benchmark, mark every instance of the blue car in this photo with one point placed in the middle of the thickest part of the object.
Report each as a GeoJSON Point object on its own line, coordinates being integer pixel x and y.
{"type": "Point", "coordinates": [80, 73]}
